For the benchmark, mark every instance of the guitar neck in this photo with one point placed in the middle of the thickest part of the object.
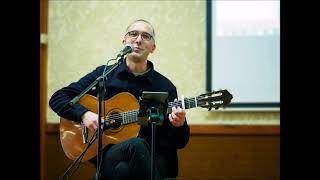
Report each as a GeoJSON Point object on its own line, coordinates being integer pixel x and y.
{"type": "Point", "coordinates": [132, 116]}
{"type": "Point", "coordinates": [211, 100]}
{"type": "Point", "coordinates": [185, 103]}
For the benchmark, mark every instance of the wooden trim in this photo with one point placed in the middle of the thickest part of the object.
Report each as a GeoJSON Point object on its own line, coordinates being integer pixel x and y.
{"type": "Point", "coordinates": [235, 129]}
{"type": "Point", "coordinates": [214, 129]}
{"type": "Point", "coordinates": [43, 87]}
{"type": "Point", "coordinates": [43, 16]}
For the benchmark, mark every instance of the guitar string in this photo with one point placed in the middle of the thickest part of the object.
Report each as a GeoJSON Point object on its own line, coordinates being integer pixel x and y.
{"type": "Point", "coordinates": [131, 116]}
{"type": "Point", "coordinates": [133, 113]}
{"type": "Point", "coordinates": [171, 104]}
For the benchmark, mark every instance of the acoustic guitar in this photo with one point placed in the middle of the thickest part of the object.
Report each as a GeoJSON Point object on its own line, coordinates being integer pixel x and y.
{"type": "Point", "coordinates": [123, 109]}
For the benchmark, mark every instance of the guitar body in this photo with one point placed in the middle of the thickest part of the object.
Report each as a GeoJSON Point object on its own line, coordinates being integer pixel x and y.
{"type": "Point", "coordinates": [123, 109]}
{"type": "Point", "coordinates": [71, 132]}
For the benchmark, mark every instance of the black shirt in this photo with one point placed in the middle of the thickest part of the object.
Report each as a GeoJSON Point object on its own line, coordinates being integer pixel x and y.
{"type": "Point", "coordinates": [168, 137]}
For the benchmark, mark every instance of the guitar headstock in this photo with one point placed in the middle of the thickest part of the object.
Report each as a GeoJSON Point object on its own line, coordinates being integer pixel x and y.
{"type": "Point", "coordinates": [215, 99]}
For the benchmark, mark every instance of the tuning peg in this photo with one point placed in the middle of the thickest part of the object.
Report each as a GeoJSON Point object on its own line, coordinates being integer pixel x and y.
{"type": "Point", "coordinates": [209, 109]}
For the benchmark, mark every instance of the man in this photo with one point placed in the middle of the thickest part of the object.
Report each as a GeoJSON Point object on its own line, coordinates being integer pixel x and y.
{"type": "Point", "coordinates": [131, 159]}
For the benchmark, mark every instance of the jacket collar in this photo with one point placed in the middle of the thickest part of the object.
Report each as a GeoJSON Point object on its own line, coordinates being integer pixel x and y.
{"type": "Point", "coordinates": [124, 71]}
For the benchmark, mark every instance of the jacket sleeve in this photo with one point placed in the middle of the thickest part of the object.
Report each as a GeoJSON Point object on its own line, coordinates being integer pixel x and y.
{"type": "Point", "coordinates": [60, 99]}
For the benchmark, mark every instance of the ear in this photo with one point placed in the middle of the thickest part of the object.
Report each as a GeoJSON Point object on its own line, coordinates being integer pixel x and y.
{"type": "Point", "coordinates": [123, 41]}
{"type": "Point", "coordinates": [153, 48]}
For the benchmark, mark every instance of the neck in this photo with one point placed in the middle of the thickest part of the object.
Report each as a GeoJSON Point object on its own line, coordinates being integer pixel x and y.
{"type": "Point", "coordinates": [136, 66]}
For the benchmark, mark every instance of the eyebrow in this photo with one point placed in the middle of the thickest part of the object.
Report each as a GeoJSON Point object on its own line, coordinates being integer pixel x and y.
{"type": "Point", "coordinates": [141, 20]}
{"type": "Point", "coordinates": [141, 32]}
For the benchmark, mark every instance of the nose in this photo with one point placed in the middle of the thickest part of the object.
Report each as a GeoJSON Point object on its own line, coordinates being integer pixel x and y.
{"type": "Point", "coordinates": [138, 39]}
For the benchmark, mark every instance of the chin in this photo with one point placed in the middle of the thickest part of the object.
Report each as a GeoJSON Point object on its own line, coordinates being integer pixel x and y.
{"type": "Point", "coordinates": [135, 57]}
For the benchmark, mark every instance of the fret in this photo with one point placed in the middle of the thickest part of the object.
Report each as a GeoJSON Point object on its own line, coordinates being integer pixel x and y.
{"type": "Point", "coordinates": [124, 117]}
{"type": "Point", "coordinates": [130, 116]}
{"type": "Point", "coordinates": [189, 103]}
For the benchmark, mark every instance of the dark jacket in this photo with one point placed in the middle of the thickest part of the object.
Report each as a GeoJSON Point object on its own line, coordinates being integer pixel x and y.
{"type": "Point", "coordinates": [168, 137]}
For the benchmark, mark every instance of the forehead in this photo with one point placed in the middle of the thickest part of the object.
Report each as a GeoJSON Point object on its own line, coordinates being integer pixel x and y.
{"type": "Point", "coordinates": [140, 26]}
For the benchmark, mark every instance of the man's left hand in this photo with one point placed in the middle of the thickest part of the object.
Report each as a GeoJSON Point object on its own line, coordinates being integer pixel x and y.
{"type": "Point", "coordinates": [177, 116]}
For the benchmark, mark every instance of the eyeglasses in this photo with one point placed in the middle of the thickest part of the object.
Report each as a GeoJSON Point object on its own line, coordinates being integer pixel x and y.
{"type": "Point", "coordinates": [144, 35]}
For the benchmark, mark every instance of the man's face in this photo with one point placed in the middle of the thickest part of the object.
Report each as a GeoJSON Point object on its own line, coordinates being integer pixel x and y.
{"type": "Point", "coordinates": [140, 35]}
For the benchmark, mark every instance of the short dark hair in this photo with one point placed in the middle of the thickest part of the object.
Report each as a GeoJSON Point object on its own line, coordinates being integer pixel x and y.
{"type": "Point", "coordinates": [152, 29]}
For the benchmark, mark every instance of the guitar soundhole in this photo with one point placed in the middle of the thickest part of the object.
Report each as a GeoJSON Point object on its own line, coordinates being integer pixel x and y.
{"type": "Point", "coordinates": [115, 120]}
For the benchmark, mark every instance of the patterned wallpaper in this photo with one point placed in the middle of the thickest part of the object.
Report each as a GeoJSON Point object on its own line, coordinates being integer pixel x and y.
{"type": "Point", "coordinates": [85, 34]}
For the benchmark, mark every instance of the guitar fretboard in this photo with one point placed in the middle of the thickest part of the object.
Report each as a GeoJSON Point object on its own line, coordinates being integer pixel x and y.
{"type": "Point", "coordinates": [132, 116]}
{"type": "Point", "coordinates": [188, 103]}
{"type": "Point", "coordinates": [123, 117]}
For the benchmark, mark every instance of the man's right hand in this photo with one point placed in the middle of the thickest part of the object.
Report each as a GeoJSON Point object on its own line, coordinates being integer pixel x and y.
{"type": "Point", "coordinates": [90, 120]}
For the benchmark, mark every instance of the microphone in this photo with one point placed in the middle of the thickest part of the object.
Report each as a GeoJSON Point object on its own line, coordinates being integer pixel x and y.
{"type": "Point", "coordinates": [127, 49]}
